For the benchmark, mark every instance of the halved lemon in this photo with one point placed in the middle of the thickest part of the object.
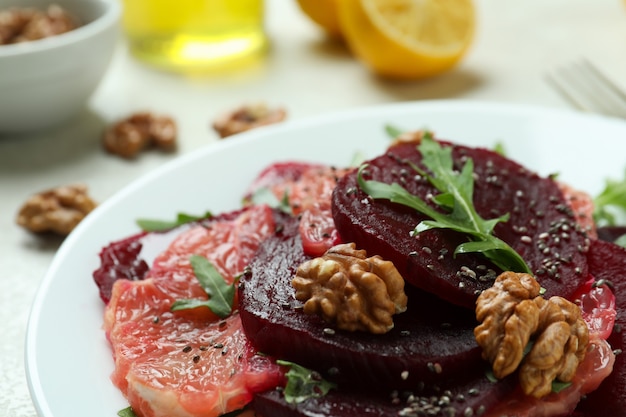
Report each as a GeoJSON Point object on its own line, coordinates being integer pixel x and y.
{"type": "Point", "coordinates": [324, 13]}
{"type": "Point", "coordinates": [408, 39]}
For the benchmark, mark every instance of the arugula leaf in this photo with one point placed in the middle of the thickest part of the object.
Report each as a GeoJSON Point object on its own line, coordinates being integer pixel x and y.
{"type": "Point", "coordinates": [357, 159]}
{"type": "Point", "coordinates": [456, 198]}
{"type": "Point", "coordinates": [393, 131]}
{"type": "Point", "coordinates": [558, 386]}
{"type": "Point", "coordinates": [303, 383]}
{"type": "Point", "coordinates": [610, 203]}
{"type": "Point", "coordinates": [499, 149]}
{"type": "Point", "coordinates": [265, 196]}
{"type": "Point", "coordinates": [126, 412]}
{"type": "Point", "coordinates": [152, 225]}
{"type": "Point", "coordinates": [221, 295]}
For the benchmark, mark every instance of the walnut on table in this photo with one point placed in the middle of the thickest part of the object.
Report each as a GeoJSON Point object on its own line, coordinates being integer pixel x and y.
{"type": "Point", "coordinates": [514, 316]}
{"type": "Point", "coordinates": [58, 210]}
{"type": "Point", "coordinates": [350, 290]}
{"type": "Point", "coordinates": [29, 24]}
{"type": "Point", "coordinates": [131, 135]}
{"type": "Point", "coordinates": [247, 117]}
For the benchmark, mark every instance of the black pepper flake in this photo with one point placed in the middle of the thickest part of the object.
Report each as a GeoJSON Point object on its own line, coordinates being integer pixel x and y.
{"type": "Point", "coordinates": [196, 359]}
{"type": "Point", "coordinates": [187, 349]}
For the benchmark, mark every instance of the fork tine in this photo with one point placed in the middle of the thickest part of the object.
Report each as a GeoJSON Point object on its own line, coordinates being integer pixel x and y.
{"type": "Point", "coordinates": [566, 91]}
{"type": "Point", "coordinates": [606, 80]}
{"type": "Point", "coordinates": [587, 88]}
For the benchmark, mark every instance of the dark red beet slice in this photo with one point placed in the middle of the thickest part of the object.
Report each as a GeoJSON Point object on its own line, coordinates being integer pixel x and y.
{"type": "Point", "coordinates": [120, 260]}
{"type": "Point", "coordinates": [608, 261]}
{"type": "Point", "coordinates": [470, 397]}
{"type": "Point", "coordinates": [611, 233]}
{"type": "Point", "coordinates": [541, 227]}
{"type": "Point", "coordinates": [430, 342]}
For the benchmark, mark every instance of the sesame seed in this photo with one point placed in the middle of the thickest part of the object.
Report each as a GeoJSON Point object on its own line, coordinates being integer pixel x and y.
{"type": "Point", "coordinates": [404, 375]}
{"type": "Point", "coordinates": [328, 331]}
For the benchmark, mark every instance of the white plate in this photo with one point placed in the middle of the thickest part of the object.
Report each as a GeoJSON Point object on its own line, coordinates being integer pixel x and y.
{"type": "Point", "coordinates": [67, 356]}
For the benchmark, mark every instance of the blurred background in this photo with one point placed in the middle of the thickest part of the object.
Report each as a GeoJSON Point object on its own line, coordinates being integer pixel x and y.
{"type": "Point", "coordinates": [296, 66]}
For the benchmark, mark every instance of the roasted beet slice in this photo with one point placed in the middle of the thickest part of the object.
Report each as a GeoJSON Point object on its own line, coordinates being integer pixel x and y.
{"type": "Point", "coordinates": [431, 341]}
{"type": "Point", "coordinates": [608, 261]}
{"type": "Point", "coordinates": [120, 260]}
{"type": "Point", "coordinates": [611, 233]}
{"type": "Point", "coordinates": [541, 228]}
{"type": "Point", "coordinates": [472, 396]}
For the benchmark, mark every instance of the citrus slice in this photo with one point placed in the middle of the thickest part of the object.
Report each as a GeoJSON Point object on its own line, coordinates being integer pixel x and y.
{"type": "Point", "coordinates": [408, 39]}
{"type": "Point", "coordinates": [324, 13]}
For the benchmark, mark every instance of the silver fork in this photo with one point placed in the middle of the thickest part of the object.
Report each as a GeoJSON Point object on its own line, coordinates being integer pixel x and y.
{"type": "Point", "coordinates": [588, 89]}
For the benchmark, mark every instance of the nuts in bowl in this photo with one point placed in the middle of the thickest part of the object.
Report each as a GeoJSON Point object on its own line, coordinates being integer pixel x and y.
{"type": "Point", "coordinates": [53, 54]}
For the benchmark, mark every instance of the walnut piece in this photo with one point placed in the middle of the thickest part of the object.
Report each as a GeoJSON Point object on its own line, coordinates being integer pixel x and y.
{"type": "Point", "coordinates": [58, 210]}
{"type": "Point", "coordinates": [513, 317]}
{"type": "Point", "coordinates": [352, 291]}
{"type": "Point", "coordinates": [246, 118]}
{"type": "Point", "coordinates": [29, 24]}
{"type": "Point", "coordinates": [131, 135]}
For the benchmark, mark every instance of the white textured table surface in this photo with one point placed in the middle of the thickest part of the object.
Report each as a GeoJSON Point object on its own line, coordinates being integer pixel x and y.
{"type": "Point", "coordinates": [516, 43]}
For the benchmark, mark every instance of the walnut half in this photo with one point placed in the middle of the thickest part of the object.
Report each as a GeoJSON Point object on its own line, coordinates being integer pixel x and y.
{"type": "Point", "coordinates": [131, 135]}
{"type": "Point", "coordinates": [514, 317]}
{"type": "Point", "coordinates": [58, 210]}
{"type": "Point", "coordinates": [352, 291]}
{"type": "Point", "coordinates": [247, 117]}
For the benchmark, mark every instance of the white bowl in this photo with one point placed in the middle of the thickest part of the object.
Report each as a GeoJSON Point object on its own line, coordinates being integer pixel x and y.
{"type": "Point", "coordinates": [46, 82]}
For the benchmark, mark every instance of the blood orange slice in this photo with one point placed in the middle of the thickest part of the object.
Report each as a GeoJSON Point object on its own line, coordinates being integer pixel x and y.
{"type": "Point", "coordinates": [172, 364]}
{"type": "Point", "coordinates": [308, 190]}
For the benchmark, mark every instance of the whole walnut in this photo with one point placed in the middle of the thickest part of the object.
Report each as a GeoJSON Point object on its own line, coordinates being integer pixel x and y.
{"type": "Point", "coordinates": [58, 210]}
{"type": "Point", "coordinates": [350, 290]}
{"type": "Point", "coordinates": [519, 330]}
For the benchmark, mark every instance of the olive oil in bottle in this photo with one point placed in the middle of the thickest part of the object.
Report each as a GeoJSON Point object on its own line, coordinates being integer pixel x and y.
{"type": "Point", "coordinates": [195, 35]}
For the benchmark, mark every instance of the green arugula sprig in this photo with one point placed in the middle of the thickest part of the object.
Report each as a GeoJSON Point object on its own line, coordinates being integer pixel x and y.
{"type": "Point", "coordinates": [392, 131]}
{"type": "Point", "coordinates": [153, 225]}
{"type": "Point", "coordinates": [126, 412]}
{"type": "Point", "coordinates": [303, 383]}
{"type": "Point", "coordinates": [456, 200]}
{"type": "Point", "coordinates": [265, 195]}
{"type": "Point", "coordinates": [609, 202]}
{"type": "Point", "coordinates": [221, 294]}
